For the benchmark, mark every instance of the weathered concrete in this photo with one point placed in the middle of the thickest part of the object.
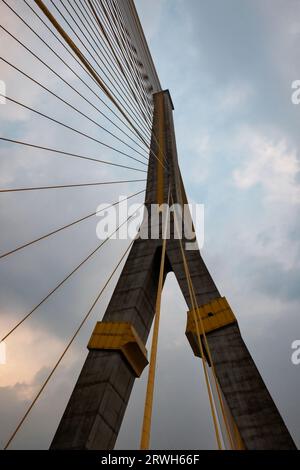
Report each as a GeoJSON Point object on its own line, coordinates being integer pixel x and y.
{"type": "Point", "coordinates": [96, 408]}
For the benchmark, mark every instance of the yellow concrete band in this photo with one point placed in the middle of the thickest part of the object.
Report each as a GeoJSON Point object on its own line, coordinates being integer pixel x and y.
{"type": "Point", "coordinates": [214, 315]}
{"type": "Point", "coordinates": [120, 337]}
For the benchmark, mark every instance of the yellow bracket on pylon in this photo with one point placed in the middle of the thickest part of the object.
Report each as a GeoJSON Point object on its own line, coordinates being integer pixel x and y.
{"type": "Point", "coordinates": [215, 315]}
{"type": "Point", "coordinates": [120, 337]}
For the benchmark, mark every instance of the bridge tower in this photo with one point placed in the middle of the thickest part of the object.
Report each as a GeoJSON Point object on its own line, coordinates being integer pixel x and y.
{"type": "Point", "coordinates": [117, 352]}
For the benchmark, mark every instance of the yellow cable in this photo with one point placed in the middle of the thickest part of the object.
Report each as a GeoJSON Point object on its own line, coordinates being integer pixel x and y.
{"type": "Point", "coordinates": [213, 412]}
{"type": "Point", "coordinates": [90, 69]}
{"type": "Point", "coordinates": [86, 63]}
{"type": "Point", "coordinates": [194, 301]}
{"type": "Point", "coordinates": [213, 368]}
{"type": "Point", "coordinates": [146, 428]}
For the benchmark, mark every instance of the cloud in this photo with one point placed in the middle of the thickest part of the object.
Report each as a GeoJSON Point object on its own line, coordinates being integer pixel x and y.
{"type": "Point", "coordinates": [272, 165]}
{"type": "Point", "coordinates": [234, 97]}
{"type": "Point", "coordinates": [238, 140]}
{"type": "Point", "coordinates": [35, 433]}
{"type": "Point", "coordinates": [26, 355]}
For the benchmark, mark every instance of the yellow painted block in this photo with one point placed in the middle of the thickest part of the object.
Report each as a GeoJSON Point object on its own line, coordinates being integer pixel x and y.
{"type": "Point", "coordinates": [222, 315]}
{"type": "Point", "coordinates": [120, 337]}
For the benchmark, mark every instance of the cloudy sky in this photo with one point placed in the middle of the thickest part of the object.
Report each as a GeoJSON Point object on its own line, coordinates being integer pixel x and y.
{"type": "Point", "coordinates": [229, 66]}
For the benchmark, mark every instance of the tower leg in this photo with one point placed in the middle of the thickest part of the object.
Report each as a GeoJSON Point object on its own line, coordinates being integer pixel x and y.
{"type": "Point", "coordinates": [97, 405]}
{"type": "Point", "coordinates": [252, 407]}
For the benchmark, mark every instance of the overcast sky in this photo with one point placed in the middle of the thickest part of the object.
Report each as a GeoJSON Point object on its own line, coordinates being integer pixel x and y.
{"type": "Point", "coordinates": [229, 66]}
